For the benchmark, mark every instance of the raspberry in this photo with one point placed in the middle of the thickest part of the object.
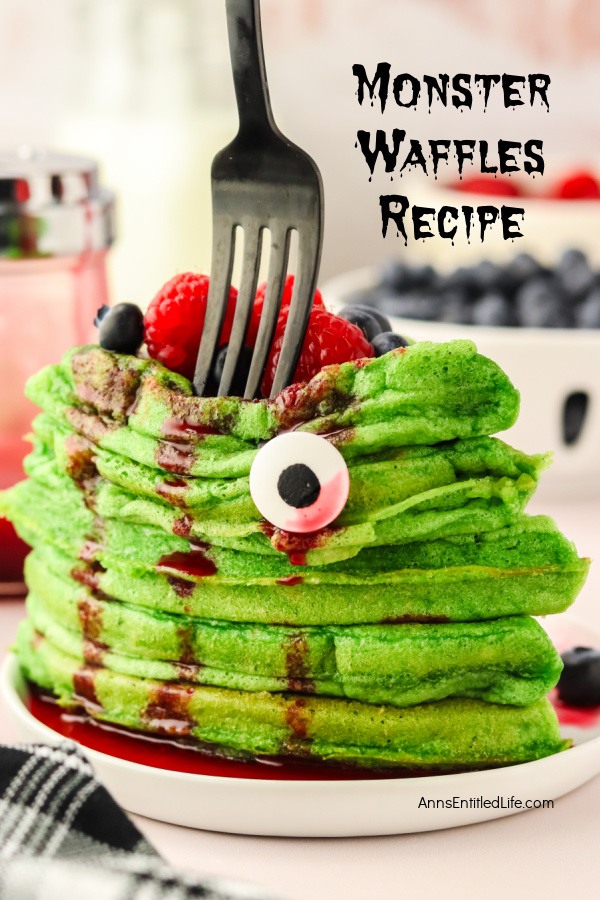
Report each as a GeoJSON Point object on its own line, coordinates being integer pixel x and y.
{"type": "Point", "coordinates": [286, 299]}
{"type": "Point", "coordinates": [328, 340]}
{"type": "Point", "coordinates": [175, 318]}
{"type": "Point", "coordinates": [577, 186]}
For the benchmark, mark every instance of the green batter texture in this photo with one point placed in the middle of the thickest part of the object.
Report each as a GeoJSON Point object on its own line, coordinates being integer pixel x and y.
{"type": "Point", "coordinates": [400, 635]}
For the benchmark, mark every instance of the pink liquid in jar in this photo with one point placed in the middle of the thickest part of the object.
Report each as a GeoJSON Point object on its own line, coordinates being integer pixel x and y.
{"type": "Point", "coordinates": [49, 295]}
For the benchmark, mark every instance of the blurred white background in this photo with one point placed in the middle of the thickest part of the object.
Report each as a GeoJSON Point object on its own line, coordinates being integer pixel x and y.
{"type": "Point", "coordinates": [144, 86]}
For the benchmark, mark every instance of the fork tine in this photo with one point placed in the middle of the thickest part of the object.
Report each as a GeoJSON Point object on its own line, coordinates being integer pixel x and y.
{"type": "Point", "coordinates": [278, 262]}
{"type": "Point", "coordinates": [223, 252]}
{"type": "Point", "coordinates": [243, 307]}
{"type": "Point", "coordinates": [309, 253]}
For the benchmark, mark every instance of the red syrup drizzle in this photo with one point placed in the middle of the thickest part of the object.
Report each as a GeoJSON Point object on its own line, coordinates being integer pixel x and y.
{"type": "Point", "coordinates": [84, 685]}
{"type": "Point", "coordinates": [167, 713]}
{"type": "Point", "coordinates": [296, 658]}
{"type": "Point", "coordinates": [337, 436]}
{"type": "Point", "coordinates": [180, 428]}
{"type": "Point", "coordinates": [167, 753]}
{"type": "Point", "coordinates": [300, 402]}
{"type": "Point", "coordinates": [89, 552]}
{"type": "Point", "coordinates": [298, 558]}
{"type": "Point", "coordinates": [182, 587]}
{"type": "Point", "coordinates": [575, 716]}
{"type": "Point", "coordinates": [182, 527]}
{"type": "Point", "coordinates": [290, 580]}
{"type": "Point", "coordinates": [172, 490]}
{"type": "Point", "coordinates": [296, 546]}
{"type": "Point", "coordinates": [90, 611]}
{"type": "Point", "coordinates": [195, 562]}
{"type": "Point", "coordinates": [172, 457]}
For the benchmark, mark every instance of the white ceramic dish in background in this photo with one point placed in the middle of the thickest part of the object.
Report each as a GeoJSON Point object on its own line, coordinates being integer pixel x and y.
{"type": "Point", "coordinates": [546, 364]}
{"type": "Point", "coordinates": [326, 808]}
{"type": "Point", "coordinates": [549, 226]}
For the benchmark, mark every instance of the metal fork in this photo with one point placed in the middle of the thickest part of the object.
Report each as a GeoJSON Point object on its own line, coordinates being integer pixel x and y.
{"type": "Point", "coordinates": [259, 181]}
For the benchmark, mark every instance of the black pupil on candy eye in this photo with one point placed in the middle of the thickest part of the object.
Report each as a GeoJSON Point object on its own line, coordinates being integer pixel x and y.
{"type": "Point", "coordinates": [298, 486]}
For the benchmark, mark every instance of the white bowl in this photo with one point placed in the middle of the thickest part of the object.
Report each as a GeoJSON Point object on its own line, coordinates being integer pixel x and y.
{"type": "Point", "coordinates": [547, 365]}
{"type": "Point", "coordinates": [548, 227]}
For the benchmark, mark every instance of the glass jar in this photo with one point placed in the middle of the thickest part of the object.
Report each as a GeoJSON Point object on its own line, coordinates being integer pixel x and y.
{"type": "Point", "coordinates": [56, 225]}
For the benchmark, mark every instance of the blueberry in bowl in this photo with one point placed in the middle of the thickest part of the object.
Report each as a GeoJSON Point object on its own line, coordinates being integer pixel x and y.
{"type": "Point", "coordinates": [521, 293]}
{"type": "Point", "coordinates": [540, 321]}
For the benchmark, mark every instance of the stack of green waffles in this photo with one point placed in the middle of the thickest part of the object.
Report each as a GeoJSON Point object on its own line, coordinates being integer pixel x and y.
{"type": "Point", "coordinates": [400, 635]}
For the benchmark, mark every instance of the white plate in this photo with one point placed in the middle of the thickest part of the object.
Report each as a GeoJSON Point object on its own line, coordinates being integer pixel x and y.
{"type": "Point", "coordinates": [329, 808]}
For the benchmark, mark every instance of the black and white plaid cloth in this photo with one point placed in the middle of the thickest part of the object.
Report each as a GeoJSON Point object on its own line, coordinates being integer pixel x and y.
{"type": "Point", "coordinates": [62, 835]}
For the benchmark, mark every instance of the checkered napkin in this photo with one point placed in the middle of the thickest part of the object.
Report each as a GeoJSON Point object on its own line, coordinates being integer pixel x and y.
{"type": "Point", "coordinates": [63, 836]}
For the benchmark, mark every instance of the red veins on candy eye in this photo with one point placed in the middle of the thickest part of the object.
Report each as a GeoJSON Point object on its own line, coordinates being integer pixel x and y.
{"type": "Point", "coordinates": [327, 507]}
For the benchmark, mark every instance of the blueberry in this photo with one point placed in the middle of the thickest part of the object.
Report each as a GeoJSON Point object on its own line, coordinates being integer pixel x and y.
{"type": "Point", "coordinates": [365, 319]}
{"type": "Point", "coordinates": [459, 279]}
{"type": "Point", "coordinates": [539, 304]}
{"type": "Point", "coordinates": [383, 320]}
{"type": "Point", "coordinates": [422, 276]}
{"type": "Point", "coordinates": [414, 305]}
{"type": "Point", "coordinates": [576, 280]}
{"type": "Point", "coordinates": [399, 277]}
{"type": "Point", "coordinates": [455, 307]}
{"type": "Point", "coordinates": [492, 309]}
{"type": "Point", "coordinates": [373, 301]}
{"type": "Point", "coordinates": [387, 341]}
{"type": "Point", "coordinates": [120, 328]}
{"type": "Point", "coordinates": [238, 385]}
{"type": "Point", "coordinates": [368, 297]}
{"type": "Point", "coordinates": [101, 314]}
{"type": "Point", "coordinates": [521, 268]}
{"type": "Point", "coordinates": [394, 276]}
{"type": "Point", "coordinates": [587, 315]}
{"type": "Point", "coordinates": [579, 683]}
{"type": "Point", "coordinates": [485, 276]}
{"type": "Point", "coordinates": [571, 257]}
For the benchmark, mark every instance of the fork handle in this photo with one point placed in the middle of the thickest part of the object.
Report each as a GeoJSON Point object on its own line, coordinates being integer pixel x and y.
{"type": "Point", "coordinates": [248, 64]}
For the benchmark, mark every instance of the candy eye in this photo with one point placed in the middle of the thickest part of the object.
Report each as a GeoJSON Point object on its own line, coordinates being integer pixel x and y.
{"type": "Point", "coordinates": [299, 482]}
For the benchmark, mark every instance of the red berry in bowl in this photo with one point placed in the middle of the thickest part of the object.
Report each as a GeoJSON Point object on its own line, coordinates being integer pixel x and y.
{"type": "Point", "coordinates": [328, 340]}
{"type": "Point", "coordinates": [501, 187]}
{"type": "Point", "coordinates": [577, 186]}
{"type": "Point", "coordinates": [175, 318]}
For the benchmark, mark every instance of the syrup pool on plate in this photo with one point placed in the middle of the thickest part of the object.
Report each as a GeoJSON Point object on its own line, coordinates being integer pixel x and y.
{"type": "Point", "coordinates": [170, 755]}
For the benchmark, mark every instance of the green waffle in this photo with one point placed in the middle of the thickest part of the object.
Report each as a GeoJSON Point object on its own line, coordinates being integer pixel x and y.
{"type": "Point", "coordinates": [506, 661]}
{"type": "Point", "coordinates": [401, 635]}
{"type": "Point", "coordinates": [449, 734]}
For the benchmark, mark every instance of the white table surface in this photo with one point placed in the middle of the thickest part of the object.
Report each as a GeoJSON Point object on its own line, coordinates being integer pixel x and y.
{"type": "Point", "coordinates": [550, 853]}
